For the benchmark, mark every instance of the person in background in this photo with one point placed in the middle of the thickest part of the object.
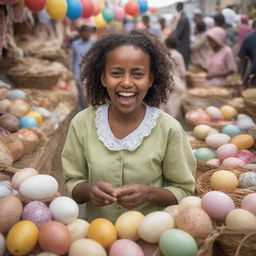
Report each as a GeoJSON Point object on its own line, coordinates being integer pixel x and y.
{"type": "Point", "coordinates": [146, 25]}
{"type": "Point", "coordinates": [106, 158]}
{"type": "Point", "coordinates": [222, 63]}
{"type": "Point", "coordinates": [200, 48]}
{"type": "Point", "coordinates": [182, 33]}
{"type": "Point", "coordinates": [172, 107]}
{"type": "Point", "coordinates": [244, 29]}
{"type": "Point", "coordinates": [80, 46]}
{"type": "Point", "coordinates": [164, 28]}
{"type": "Point", "coordinates": [219, 20]}
{"type": "Point", "coordinates": [197, 17]}
{"type": "Point", "coordinates": [248, 52]}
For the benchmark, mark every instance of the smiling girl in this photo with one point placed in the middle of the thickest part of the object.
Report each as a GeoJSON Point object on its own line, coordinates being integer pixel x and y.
{"type": "Point", "coordinates": [123, 152]}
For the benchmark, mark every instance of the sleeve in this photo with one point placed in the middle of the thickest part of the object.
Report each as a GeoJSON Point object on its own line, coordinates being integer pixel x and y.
{"type": "Point", "coordinates": [74, 164]}
{"type": "Point", "coordinates": [179, 165]}
{"type": "Point", "coordinates": [243, 50]}
{"type": "Point", "coordinates": [199, 42]}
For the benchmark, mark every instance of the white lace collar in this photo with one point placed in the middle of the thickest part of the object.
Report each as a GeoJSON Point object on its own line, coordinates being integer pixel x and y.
{"type": "Point", "coordinates": [131, 141]}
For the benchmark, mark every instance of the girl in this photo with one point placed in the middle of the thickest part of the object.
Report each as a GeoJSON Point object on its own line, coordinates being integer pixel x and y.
{"type": "Point", "coordinates": [123, 152]}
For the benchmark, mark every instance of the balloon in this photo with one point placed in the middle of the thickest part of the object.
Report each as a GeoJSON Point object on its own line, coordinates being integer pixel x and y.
{"type": "Point", "coordinates": [119, 13]}
{"type": "Point", "coordinates": [35, 6]}
{"type": "Point", "coordinates": [74, 9]}
{"type": "Point", "coordinates": [143, 5]}
{"type": "Point", "coordinates": [153, 10]}
{"type": "Point", "coordinates": [97, 8]}
{"type": "Point", "coordinates": [99, 21]}
{"type": "Point", "coordinates": [88, 8]}
{"type": "Point", "coordinates": [108, 14]}
{"type": "Point", "coordinates": [131, 8]}
{"type": "Point", "coordinates": [57, 9]}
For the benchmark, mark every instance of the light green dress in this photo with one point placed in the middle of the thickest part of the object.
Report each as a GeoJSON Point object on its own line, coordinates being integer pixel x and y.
{"type": "Point", "coordinates": [157, 153]}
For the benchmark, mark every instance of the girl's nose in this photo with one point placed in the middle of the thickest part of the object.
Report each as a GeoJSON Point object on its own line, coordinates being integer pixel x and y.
{"type": "Point", "coordinates": [127, 82]}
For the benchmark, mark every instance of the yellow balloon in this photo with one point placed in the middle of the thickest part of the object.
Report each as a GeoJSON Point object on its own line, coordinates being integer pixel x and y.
{"type": "Point", "coordinates": [102, 4]}
{"type": "Point", "coordinates": [57, 9]}
{"type": "Point", "coordinates": [99, 21]}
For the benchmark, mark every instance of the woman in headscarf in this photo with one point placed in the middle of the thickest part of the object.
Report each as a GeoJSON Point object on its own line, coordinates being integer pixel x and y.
{"type": "Point", "coordinates": [221, 63]}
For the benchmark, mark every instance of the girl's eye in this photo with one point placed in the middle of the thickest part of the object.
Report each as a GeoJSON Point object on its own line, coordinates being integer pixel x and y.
{"type": "Point", "coordinates": [138, 74]}
{"type": "Point", "coordinates": [115, 73]}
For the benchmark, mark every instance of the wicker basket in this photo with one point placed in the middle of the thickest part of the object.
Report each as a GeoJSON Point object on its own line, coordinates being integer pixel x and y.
{"type": "Point", "coordinates": [249, 97]}
{"type": "Point", "coordinates": [46, 201]}
{"type": "Point", "coordinates": [6, 172]}
{"type": "Point", "coordinates": [195, 79]}
{"type": "Point", "coordinates": [203, 167]}
{"type": "Point", "coordinates": [203, 184]}
{"type": "Point", "coordinates": [194, 142]}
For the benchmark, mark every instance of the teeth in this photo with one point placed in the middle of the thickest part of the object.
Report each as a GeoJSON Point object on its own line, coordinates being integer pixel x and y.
{"type": "Point", "coordinates": [126, 94]}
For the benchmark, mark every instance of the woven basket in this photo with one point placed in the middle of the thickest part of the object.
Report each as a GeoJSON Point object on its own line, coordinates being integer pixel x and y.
{"type": "Point", "coordinates": [203, 184]}
{"type": "Point", "coordinates": [6, 172]}
{"type": "Point", "coordinates": [195, 79]}
{"type": "Point", "coordinates": [203, 167]}
{"type": "Point", "coordinates": [194, 142]}
{"type": "Point", "coordinates": [46, 201]}
{"type": "Point", "coordinates": [249, 97]}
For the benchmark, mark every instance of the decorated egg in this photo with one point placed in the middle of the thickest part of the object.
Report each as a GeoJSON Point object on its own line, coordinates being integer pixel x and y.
{"type": "Point", "coordinates": [158, 221]}
{"type": "Point", "coordinates": [205, 154]}
{"type": "Point", "coordinates": [4, 190]}
{"type": "Point", "coordinates": [4, 104]}
{"type": "Point", "coordinates": [244, 122]}
{"type": "Point", "coordinates": [37, 212]}
{"type": "Point", "coordinates": [18, 107]}
{"type": "Point", "coordinates": [217, 204]}
{"type": "Point", "coordinates": [54, 237]}
{"type": "Point", "coordinates": [241, 219]}
{"type": "Point", "coordinates": [231, 130]}
{"type": "Point", "coordinates": [16, 94]}
{"type": "Point", "coordinates": [64, 209]}
{"type": "Point", "coordinates": [177, 242]}
{"type": "Point", "coordinates": [9, 122]}
{"type": "Point", "coordinates": [232, 162]}
{"type": "Point", "coordinates": [214, 161]}
{"type": "Point", "coordinates": [190, 201]}
{"type": "Point", "coordinates": [78, 229]}
{"type": "Point", "coordinates": [228, 112]}
{"type": "Point", "coordinates": [22, 237]}
{"type": "Point", "coordinates": [173, 210]}
{"type": "Point", "coordinates": [125, 247]}
{"type": "Point", "coordinates": [36, 115]}
{"type": "Point", "coordinates": [223, 180]}
{"type": "Point", "coordinates": [102, 231]}
{"type": "Point", "coordinates": [22, 175]}
{"type": "Point", "coordinates": [195, 221]}
{"type": "Point", "coordinates": [127, 225]}
{"type": "Point", "coordinates": [247, 180]}
{"type": "Point", "coordinates": [214, 113]}
{"type": "Point", "coordinates": [249, 203]}
{"type": "Point", "coordinates": [39, 187]}
{"type": "Point", "coordinates": [28, 121]}
{"type": "Point", "coordinates": [217, 140]}
{"type": "Point", "coordinates": [201, 131]}
{"type": "Point", "coordinates": [226, 150]}
{"type": "Point", "coordinates": [88, 247]}
{"type": "Point", "coordinates": [245, 155]}
{"type": "Point", "coordinates": [243, 141]}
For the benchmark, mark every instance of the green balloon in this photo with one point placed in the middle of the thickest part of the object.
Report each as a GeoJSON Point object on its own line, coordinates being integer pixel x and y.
{"type": "Point", "coordinates": [176, 242]}
{"type": "Point", "coordinates": [108, 14]}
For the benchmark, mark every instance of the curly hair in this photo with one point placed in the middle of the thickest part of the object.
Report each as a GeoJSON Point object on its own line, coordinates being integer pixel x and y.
{"type": "Point", "coordinates": [93, 65]}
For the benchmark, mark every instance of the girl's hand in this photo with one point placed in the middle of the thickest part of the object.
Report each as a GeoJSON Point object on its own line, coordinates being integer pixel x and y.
{"type": "Point", "coordinates": [102, 194]}
{"type": "Point", "coordinates": [132, 195]}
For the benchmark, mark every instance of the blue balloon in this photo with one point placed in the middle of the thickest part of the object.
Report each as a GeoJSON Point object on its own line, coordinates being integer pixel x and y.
{"type": "Point", "coordinates": [143, 5]}
{"type": "Point", "coordinates": [75, 9]}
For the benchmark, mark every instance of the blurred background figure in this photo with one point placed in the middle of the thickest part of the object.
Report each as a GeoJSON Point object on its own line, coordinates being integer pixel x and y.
{"type": "Point", "coordinates": [182, 33]}
{"type": "Point", "coordinates": [165, 30]}
{"type": "Point", "coordinates": [222, 61]}
{"type": "Point", "coordinates": [80, 46]}
{"type": "Point", "coordinates": [244, 29]}
{"type": "Point", "coordinates": [219, 20]}
{"type": "Point", "coordinates": [147, 25]}
{"type": "Point", "coordinates": [173, 105]}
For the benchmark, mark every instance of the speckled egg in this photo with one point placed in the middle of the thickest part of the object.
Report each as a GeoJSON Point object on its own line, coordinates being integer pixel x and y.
{"type": "Point", "coordinates": [217, 204]}
{"type": "Point", "coordinates": [205, 154]}
{"type": "Point", "coordinates": [217, 140]}
{"type": "Point", "coordinates": [226, 150]}
{"type": "Point", "coordinates": [232, 162]}
{"type": "Point", "coordinates": [228, 112]}
{"type": "Point", "coordinates": [231, 130]}
{"type": "Point", "coordinates": [214, 113]}
{"type": "Point", "coordinates": [243, 141]}
{"type": "Point", "coordinates": [215, 161]}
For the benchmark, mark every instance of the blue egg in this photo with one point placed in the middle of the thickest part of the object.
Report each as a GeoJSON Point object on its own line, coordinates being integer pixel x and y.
{"type": "Point", "coordinates": [205, 154]}
{"type": "Point", "coordinates": [4, 190]}
{"type": "Point", "coordinates": [28, 121]}
{"type": "Point", "coordinates": [16, 94]}
{"type": "Point", "coordinates": [231, 130]}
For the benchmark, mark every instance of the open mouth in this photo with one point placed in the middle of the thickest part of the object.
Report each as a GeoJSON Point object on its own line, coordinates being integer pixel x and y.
{"type": "Point", "coordinates": [126, 94]}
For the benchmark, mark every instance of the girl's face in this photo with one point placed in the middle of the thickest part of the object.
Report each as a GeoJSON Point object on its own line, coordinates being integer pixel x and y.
{"type": "Point", "coordinates": [127, 78]}
{"type": "Point", "coordinates": [214, 45]}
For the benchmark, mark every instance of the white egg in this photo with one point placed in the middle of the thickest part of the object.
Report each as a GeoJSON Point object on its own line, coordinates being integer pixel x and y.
{"type": "Point", "coordinates": [78, 229]}
{"type": "Point", "coordinates": [64, 209]}
{"type": "Point", "coordinates": [244, 122]}
{"type": "Point", "coordinates": [4, 190]}
{"type": "Point", "coordinates": [214, 112]}
{"type": "Point", "coordinates": [39, 187]}
{"type": "Point", "coordinates": [216, 140]}
{"type": "Point", "coordinates": [190, 201]}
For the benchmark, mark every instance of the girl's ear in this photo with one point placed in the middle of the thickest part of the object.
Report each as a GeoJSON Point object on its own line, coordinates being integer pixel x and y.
{"type": "Point", "coordinates": [102, 79]}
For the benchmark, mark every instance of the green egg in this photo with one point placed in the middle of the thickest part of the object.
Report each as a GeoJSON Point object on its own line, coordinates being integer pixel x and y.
{"type": "Point", "coordinates": [176, 242]}
{"type": "Point", "coordinates": [205, 154]}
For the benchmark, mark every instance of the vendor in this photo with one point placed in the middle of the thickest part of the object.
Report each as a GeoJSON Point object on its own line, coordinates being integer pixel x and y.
{"type": "Point", "coordinates": [221, 63]}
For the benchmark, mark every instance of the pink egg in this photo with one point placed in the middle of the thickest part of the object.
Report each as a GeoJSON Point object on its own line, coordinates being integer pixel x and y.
{"type": "Point", "coordinates": [226, 150]}
{"type": "Point", "coordinates": [37, 212]}
{"type": "Point", "coordinates": [217, 204]}
{"type": "Point", "coordinates": [232, 162]}
{"type": "Point", "coordinates": [214, 161]}
{"type": "Point", "coordinates": [246, 156]}
{"type": "Point", "coordinates": [125, 247]}
{"type": "Point", "coordinates": [249, 203]}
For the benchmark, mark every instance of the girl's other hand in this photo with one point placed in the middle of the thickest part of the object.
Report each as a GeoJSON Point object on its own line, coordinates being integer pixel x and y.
{"type": "Point", "coordinates": [102, 194]}
{"type": "Point", "coordinates": [132, 195]}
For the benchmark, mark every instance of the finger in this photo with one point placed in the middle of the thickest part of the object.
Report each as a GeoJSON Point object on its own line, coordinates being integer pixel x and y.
{"type": "Point", "coordinates": [97, 199]}
{"type": "Point", "coordinates": [128, 198]}
{"type": "Point", "coordinates": [125, 191]}
{"type": "Point", "coordinates": [104, 196]}
{"type": "Point", "coordinates": [107, 188]}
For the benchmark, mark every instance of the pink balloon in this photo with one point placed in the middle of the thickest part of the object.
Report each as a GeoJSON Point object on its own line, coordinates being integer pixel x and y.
{"type": "Point", "coordinates": [88, 8]}
{"type": "Point", "coordinates": [119, 13]}
{"type": "Point", "coordinates": [97, 8]}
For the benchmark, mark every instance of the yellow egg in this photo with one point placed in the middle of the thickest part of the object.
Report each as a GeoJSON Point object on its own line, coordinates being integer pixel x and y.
{"type": "Point", "coordinates": [201, 131]}
{"type": "Point", "coordinates": [243, 141]}
{"type": "Point", "coordinates": [228, 112]}
{"type": "Point", "coordinates": [223, 180]}
{"type": "Point", "coordinates": [22, 237]}
{"type": "Point", "coordinates": [127, 225]}
{"type": "Point", "coordinates": [36, 115]}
